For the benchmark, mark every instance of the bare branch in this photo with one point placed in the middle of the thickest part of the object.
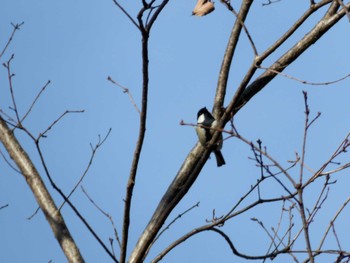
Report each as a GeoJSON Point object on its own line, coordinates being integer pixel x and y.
{"type": "Point", "coordinates": [43, 134]}
{"type": "Point", "coordinates": [75, 210]}
{"type": "Point", "coordinates": [4, 206]}
{"type": "Point", "coordinates": [320, 201]}
{"type": "Point", "coordinates": [324, 24]}
{"type": "Point", "coordinates": [305, 81]}
{"type": "Point", "coordinates": [110, 218]}
{"type": "Point", "coordinates": [307, 112]}
{"type": "Point", "coordinates": [300, 189]}
{"type": "Point", "coordinates": [35, 100]}
{"type": "Point", "coordinates": [156, 13]}
{"type": "Point", "coordinates": [145, 31]}
{"type": "Point", "coordinates": [126, 13]}
{"type": "Point", "coordinates": [336, 237]}
{"type": "Point", "coordinates": [41, 193]}
{"type": "Point", "coordinates": [9, 163]}
{"type": "Point", "coordinates": [172, 222]}
{"type": "Point", "coordinates": [15, 28]}
{"type": "Point", "coordinates": [343, 167]}
{"type": "Point", "coordinates": [234, 250]}
{"type": "Point", "coordinates": [250, 39]}
{"type": "Point", "coordinates": [227, 60]}
{"type": "Point", "coordinates": [10, 121]}
{"type": "Point", "coordinates": [272, 237]}
{"type": "Point", "coordinates": [10, 75]}
{"type": "Point", "coordinates": [127, 91]}
{"type": "Point", "coordinates": [341, 149]}
{"type": "Point", "coordinates": [332, 222]}
{"type": "Point", "coordinates": [93, 153]}
{"type": "Point", "coordinates": [275, 231]}
{"type": "Point", "coordinates": [291, 30]}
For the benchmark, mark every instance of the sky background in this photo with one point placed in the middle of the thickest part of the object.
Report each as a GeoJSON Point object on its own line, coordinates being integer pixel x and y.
{"type": "Point", "coordinates": [78, 44]}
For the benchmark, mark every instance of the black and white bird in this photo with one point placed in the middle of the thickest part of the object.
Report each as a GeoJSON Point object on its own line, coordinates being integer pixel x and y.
{"type": "Point", "coordinates": [205, 121]}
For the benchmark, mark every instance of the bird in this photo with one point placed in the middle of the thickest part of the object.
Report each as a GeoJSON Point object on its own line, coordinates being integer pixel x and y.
{"type": "Point", "coordinates": [205, 121]}
{"type": "Point", "coordinates": [203, 7]}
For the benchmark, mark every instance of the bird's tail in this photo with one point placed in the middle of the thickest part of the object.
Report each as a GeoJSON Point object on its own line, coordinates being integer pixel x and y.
{"type": "Point", "coordinates": [219, 158]}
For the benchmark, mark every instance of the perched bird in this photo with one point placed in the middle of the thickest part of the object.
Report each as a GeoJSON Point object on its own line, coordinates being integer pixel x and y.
{"type": "Point", "coordinates": [203, 7]}
{"type": "Point", "coordinates": [204, 118]}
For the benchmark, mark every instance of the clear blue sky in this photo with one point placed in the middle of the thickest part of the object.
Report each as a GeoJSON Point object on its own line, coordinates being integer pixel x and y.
{"type": "Point", "coordinates": [77, 44]}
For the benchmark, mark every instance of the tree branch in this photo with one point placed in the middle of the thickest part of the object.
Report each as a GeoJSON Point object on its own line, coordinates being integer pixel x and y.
{"type": "Point", "coordinates": [330, 19]}
{"type": "Point", "coordinates": [145, 30]}
{"type": "Point", "coordinates": [15, 28]}
{"type": "Point", "coordinates": [126, 13]}
{"type": "Point", "coordinates": [41, 193]}
{"type": "Point", "coordinates": [228, 56]}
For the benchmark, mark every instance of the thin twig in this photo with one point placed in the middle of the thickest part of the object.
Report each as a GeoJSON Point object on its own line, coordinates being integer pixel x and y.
{"type": "Point", "coordinates": [15, 28]}
{"type": "Point", "coordinates": [336, 237]}
{"type": "Point", "coordinates": [256, 149]}
{"type": "Point", "coordinates": [250, 39]}
{"type": "Point", "coordinates": [126, 13]}
{"type": "Point", "coordinates": [305, 81]}
{"type": "Point", "coordinates": [272, 237]}
{"type": "Point", "coordinates": [299, 189]}
{"type": "Point", "coordinates": [303, 148]}
{"type": "Point", "coordinates": [43, 134]}
{"type": "Point", "coordinates": [34, 214]}
{"type": "Point", "coordinates": [9, 120]}
{"type": "Point", "coordinates": [341, 149]}
{"type": "Point", "coordinates": [172, 222]}
{"type": "Point", "coordinates": [75, 210]}
{"type": "Point", "coordinates": [175, 219]}
{"type": "Point", "coordinates": [343, 167]}
{"type": "Point", "coordinates": [9, 163]}
{"type": "Point", "coordinates": [35, 100]}
{"type": "Point", "coordinates": [332, 222]}
{"type": "Point", "coordinates": [105, 214]}
{"type": "Point", "coordinates": [291, 30]}
{"type": "Point", "coordinates": [127, 91]}
{"type": "Point", "coordinates": [93, 153]}
{"type": "Point", "coordinates": [4, 206]}
{"type": "Point", "coordinates": [320, 201]}
{"type": "Point", "coordinates": [10, 75]}
{"type": "Point", "coordinates": [227, 239]}
{"type": "Point", "coordinates": [275, 231]}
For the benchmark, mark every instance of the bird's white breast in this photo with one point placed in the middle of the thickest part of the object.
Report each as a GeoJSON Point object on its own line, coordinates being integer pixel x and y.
{"type": "Point", "coordinates": [201, 118]}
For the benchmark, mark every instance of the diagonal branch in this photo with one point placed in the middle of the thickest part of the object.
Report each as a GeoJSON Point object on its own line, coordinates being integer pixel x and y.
{"type": "Point", "coordinates": [70, 204]}
{"type": "Point", "coordinates": [228, 56]}
{"type": "Point", "coordinates": [41, 193]}
{"type": "Point", "coordinates": [15, 28]}
{"type": "Point", "coordinates": [127, 91]}
{"type": "Point", "coordinates": [290, 32]}
{"type": "Point", "coordinates": [94, 150]}
{"type": "Point", "coordinates": [126, 13]}
{"type": "Point", "coordinates": [325, 23]}
{"type": "Point", "coordinates": [196, 159]}
{"type": "Point", "coordinates": [35, 100]}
